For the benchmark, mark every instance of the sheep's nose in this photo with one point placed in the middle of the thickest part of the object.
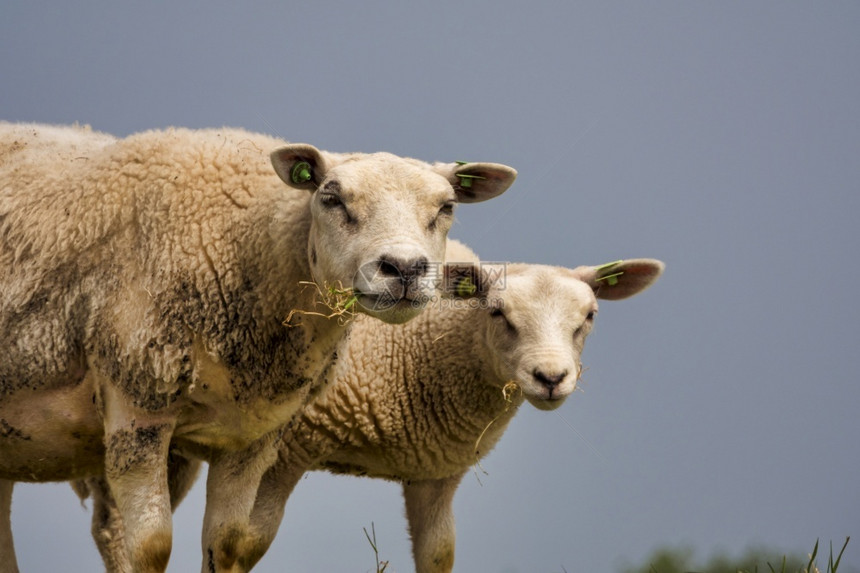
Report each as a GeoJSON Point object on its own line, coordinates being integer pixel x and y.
{"type": "Point", "coordinates": [406, 270]}
{"type": "Point", "coordinates": [549, 380]}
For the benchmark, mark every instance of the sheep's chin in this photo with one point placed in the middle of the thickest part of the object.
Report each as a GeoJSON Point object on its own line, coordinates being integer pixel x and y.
{"type": "Point", "coordinates": [544, 404]}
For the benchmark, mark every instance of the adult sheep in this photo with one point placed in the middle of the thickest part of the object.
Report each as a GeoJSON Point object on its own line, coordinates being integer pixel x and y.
{"type": "Point", "coordinates": [143, 287]}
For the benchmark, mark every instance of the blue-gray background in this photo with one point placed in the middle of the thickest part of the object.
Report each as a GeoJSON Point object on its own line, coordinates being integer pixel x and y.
{"type": "Point", "coordinates": [720, 407]}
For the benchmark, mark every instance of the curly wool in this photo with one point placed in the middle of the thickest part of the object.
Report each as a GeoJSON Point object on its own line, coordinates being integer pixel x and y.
{"type": "Point", "coordinates": [183, 216]}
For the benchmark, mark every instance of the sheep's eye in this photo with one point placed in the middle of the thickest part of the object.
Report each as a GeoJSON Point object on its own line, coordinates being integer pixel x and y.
{"type": "Point", "coordinates": [589, 320]}
{"type": "Point", "coordinates": [330, 200]}
{"type": "Point", "coordinates": [447, 208]}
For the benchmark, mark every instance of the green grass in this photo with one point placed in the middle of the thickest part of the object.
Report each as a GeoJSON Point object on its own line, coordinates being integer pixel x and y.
{"type": "Point", "coordinates": [832, 566]}
{"type": "Point", "coordinates": [753, 561]}
{"type": "Point", "coordinates": [680, 560]}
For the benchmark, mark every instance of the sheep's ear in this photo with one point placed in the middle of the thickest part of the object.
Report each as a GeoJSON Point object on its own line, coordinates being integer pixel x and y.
{"type": "Point", "coordinates": [463, 280]}
{"type": "Point", "coordinates": [475, 182]}
{"type": "Point", "coordinates": [621, 279]}
{"type": "Point", "coordinates": [299, 165]}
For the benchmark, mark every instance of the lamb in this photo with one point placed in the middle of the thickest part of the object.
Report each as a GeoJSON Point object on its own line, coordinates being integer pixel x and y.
{"type": "Point", "coordinates": [422, 403]}
{"type": "Point", "coordinates": [143, 290]}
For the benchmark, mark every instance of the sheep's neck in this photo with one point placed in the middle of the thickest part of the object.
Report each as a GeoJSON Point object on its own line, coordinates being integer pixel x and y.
{"type": "Point", "coordinates": [468, 397]}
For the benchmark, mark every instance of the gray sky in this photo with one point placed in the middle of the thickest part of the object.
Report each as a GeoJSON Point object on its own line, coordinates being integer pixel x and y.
{"type": "Point", "coordinates": [720, 407]}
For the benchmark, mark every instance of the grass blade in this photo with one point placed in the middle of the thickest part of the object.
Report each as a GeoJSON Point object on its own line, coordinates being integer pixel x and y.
{"type": "Point", "coordinates": [835, 566]}
{"type": "Point", "coordinates": [812, 557]}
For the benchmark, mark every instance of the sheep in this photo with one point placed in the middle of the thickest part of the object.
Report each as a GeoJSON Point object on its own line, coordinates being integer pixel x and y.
{"type": "Point", "coordinates": [422, 403]}
{"type": "Point", "coordinates": [143, 290]}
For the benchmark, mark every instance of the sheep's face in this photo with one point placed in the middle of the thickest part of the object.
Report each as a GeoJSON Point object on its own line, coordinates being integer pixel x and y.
{"type": "Point", "coordinates": [379, 227]}
{"type": "Point", "coordinates": [536, 325]}
{"type": "Point", "coordinates": [379, 222]}
{"type": "Point", "coordinates": [537, 317]}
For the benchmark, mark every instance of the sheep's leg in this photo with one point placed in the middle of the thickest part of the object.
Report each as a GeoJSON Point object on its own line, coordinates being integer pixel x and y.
{"type": "Point", "coordinates": [7, 545]}
{"type": "Point", "coordinates": [136, 448]}
{"type": "Point", "coordinates": [181, 474]}
{"type": "Point", "coordinates": [275, 488]}
{"type": "Point", "coordinates": [107, 527]}
{"type": "Point", "coordinates": [231, 489]}
{"type": "Point", "coordinates": [431, 523]}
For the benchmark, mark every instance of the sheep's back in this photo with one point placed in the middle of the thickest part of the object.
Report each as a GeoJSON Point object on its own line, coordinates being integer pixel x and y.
{"type": "Point", "coordinates": [117, 249]}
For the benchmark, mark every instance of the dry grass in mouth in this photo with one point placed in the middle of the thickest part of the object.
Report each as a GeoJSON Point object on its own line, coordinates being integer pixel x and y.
{"type": "Point", "coordinates": [508, 394]}
{"type": "Point", "coordinates": [338, 300]}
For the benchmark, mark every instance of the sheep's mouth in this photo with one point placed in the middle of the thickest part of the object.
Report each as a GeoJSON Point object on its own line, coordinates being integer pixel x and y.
{"type": "Point", "coordinates": [546, 403]}
{"type": "Point", "coordinates": [548, 398]}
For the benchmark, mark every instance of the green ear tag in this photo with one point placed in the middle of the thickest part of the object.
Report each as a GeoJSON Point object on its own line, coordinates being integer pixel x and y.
{"type": "Point", "coordinates": [466, 180]}
{"type": "Point", "coordinates": [301, 172]}
{"type": "Point", "coordinates": [607, 265]}
{"type": "Point", "coordinates": [466, 287]}
{"type": "Point", "coordinates": [611, 280]}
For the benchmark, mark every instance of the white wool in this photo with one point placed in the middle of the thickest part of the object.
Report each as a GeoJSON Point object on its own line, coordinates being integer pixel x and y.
{"type": "Point", "coordinates": [145, 281]}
